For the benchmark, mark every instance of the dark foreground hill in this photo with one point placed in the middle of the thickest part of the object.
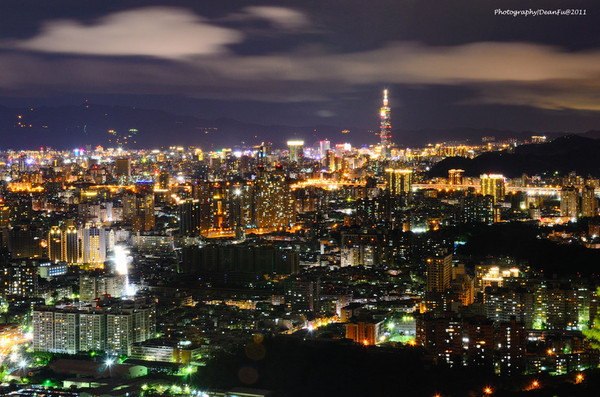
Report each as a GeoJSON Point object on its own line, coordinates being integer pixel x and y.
{"type": "Point", "coordinates": [562, 155]}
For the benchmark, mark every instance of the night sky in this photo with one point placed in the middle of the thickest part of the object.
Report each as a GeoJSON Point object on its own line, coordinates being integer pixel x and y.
{"type": "Point", "coordinates": [446, 64]}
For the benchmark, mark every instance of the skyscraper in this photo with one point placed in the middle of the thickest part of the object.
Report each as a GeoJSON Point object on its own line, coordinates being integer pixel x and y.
{"type": "Point", "coordinates": [386, 127]}
{"type": "Point", "coordinates": [324, 147]}
{"type": "Point", "coordinates": [273, 202]}
{"type": "Point", "coordinates": [139, 210]}
{"type": "Point", "coordinates": [493, 185]}
{"type": "Point", "coordinates": [398, 181]}
{"type": "Point", "coordinates": [296, 149]}
{"type": "Point", "coordinates": [93, 245]}
{"type": "Point", "coordinates": [64, 244]}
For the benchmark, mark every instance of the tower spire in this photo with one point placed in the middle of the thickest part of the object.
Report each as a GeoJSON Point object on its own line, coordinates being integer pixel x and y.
{"type": "Point", "coordinates": [385, 129]}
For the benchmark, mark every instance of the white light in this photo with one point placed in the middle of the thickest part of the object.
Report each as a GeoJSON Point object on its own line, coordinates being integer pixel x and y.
{"type": "Point", "coordinates": [121, 259]}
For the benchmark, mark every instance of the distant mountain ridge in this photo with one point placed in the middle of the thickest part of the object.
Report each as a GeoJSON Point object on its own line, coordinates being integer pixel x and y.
{"type": "Point", "coordinates": [561, 155]}
{"type": "Point", "coordinates": [68, 127]}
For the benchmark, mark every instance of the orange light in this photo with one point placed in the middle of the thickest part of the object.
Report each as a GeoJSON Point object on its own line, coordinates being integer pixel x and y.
{"type": "Point", "coordinates": [487, 390]}
{"type": "Point", "coordinates": [535, 384]}
{"type": "Point", "coordinates": [550, 352]}
{"type": "Point", "coordinates": [365, 342]}
{"type": "Point", "coordinates": [579, 378]}
{"type": "Point", "coordinates": [412, 342]}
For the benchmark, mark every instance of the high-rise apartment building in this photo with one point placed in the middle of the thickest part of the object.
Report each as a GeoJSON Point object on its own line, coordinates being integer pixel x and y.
{"type": "Point", "coordinates": [138, 209]}
{"type": "Point", "coordinates": [64, 244]}
{"type": "Point", "coordinates": [92, 330]}
{"type": "Point", "coordinates": [20, 277]}
{"type": "Point", "coordinates": [493, 185]}
{"type": "Point", "coordinates": [398, 181]}
{"type": "Point", "coordinates": [66, 332]}
{"type": "Point", "coordinates": [273, 202]}
{"type": "Point", "coordinates": [439, 271]}
{"type": "Point", "coordinates": [569, 202]}
{"type": "Point", "coordinates": [43, 329]}
{"type": "Point", "coordinates": [119, 333]}
{"type": "Point", "coordinates": [589, 203]}
{"type": "Point", "coordinates": [455, 176]}
{"type": "Point", "coordinates": [112, 329]}
{"type": "Point", "coordinates": [93, 243]}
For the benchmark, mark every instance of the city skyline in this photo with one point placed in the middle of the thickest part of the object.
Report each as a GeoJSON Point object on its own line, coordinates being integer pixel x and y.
{"type": "Point", "coordinates": [322, 198]}
{"type": "Point", "coordinates": [307, 64]}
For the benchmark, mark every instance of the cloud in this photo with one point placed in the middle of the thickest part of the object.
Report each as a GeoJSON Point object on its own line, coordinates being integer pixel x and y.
{"type": "Point", "coordinates": [280, 17]}
{"type": "Point", "coordinates": [524, 74]}
{"type": "Point", "coordinates": [156, 32]}
{"type": "Point", "coordinates": [505, 73]}
{"type": "Point", "coordinates": [325, 113]}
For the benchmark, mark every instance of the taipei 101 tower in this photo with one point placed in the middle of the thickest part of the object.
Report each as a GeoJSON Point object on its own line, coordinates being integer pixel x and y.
{"type": "Point", "coordinates": [386, 127]}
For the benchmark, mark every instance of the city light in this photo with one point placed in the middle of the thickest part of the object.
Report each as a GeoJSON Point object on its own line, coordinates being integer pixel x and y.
{"type": "Point", "coordinates": [433, 250]}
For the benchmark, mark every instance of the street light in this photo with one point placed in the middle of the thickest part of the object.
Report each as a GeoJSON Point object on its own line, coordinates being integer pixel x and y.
{"type": "Point", "coordinates": [487, 391]}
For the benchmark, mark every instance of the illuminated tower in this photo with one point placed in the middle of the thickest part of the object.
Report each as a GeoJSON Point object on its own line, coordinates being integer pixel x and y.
{"type": "Point", "coordinates": [386, 127]}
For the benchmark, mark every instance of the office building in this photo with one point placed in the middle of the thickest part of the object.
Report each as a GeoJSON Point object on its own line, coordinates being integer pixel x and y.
{"type": "Point", "coordinates": [296, 151]}
{"type": "Point", "coordinates": [324, 147]}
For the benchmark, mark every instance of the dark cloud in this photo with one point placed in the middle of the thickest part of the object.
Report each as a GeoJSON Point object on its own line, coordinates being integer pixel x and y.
{"type": "Point", "coordinates": [312, 54]}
